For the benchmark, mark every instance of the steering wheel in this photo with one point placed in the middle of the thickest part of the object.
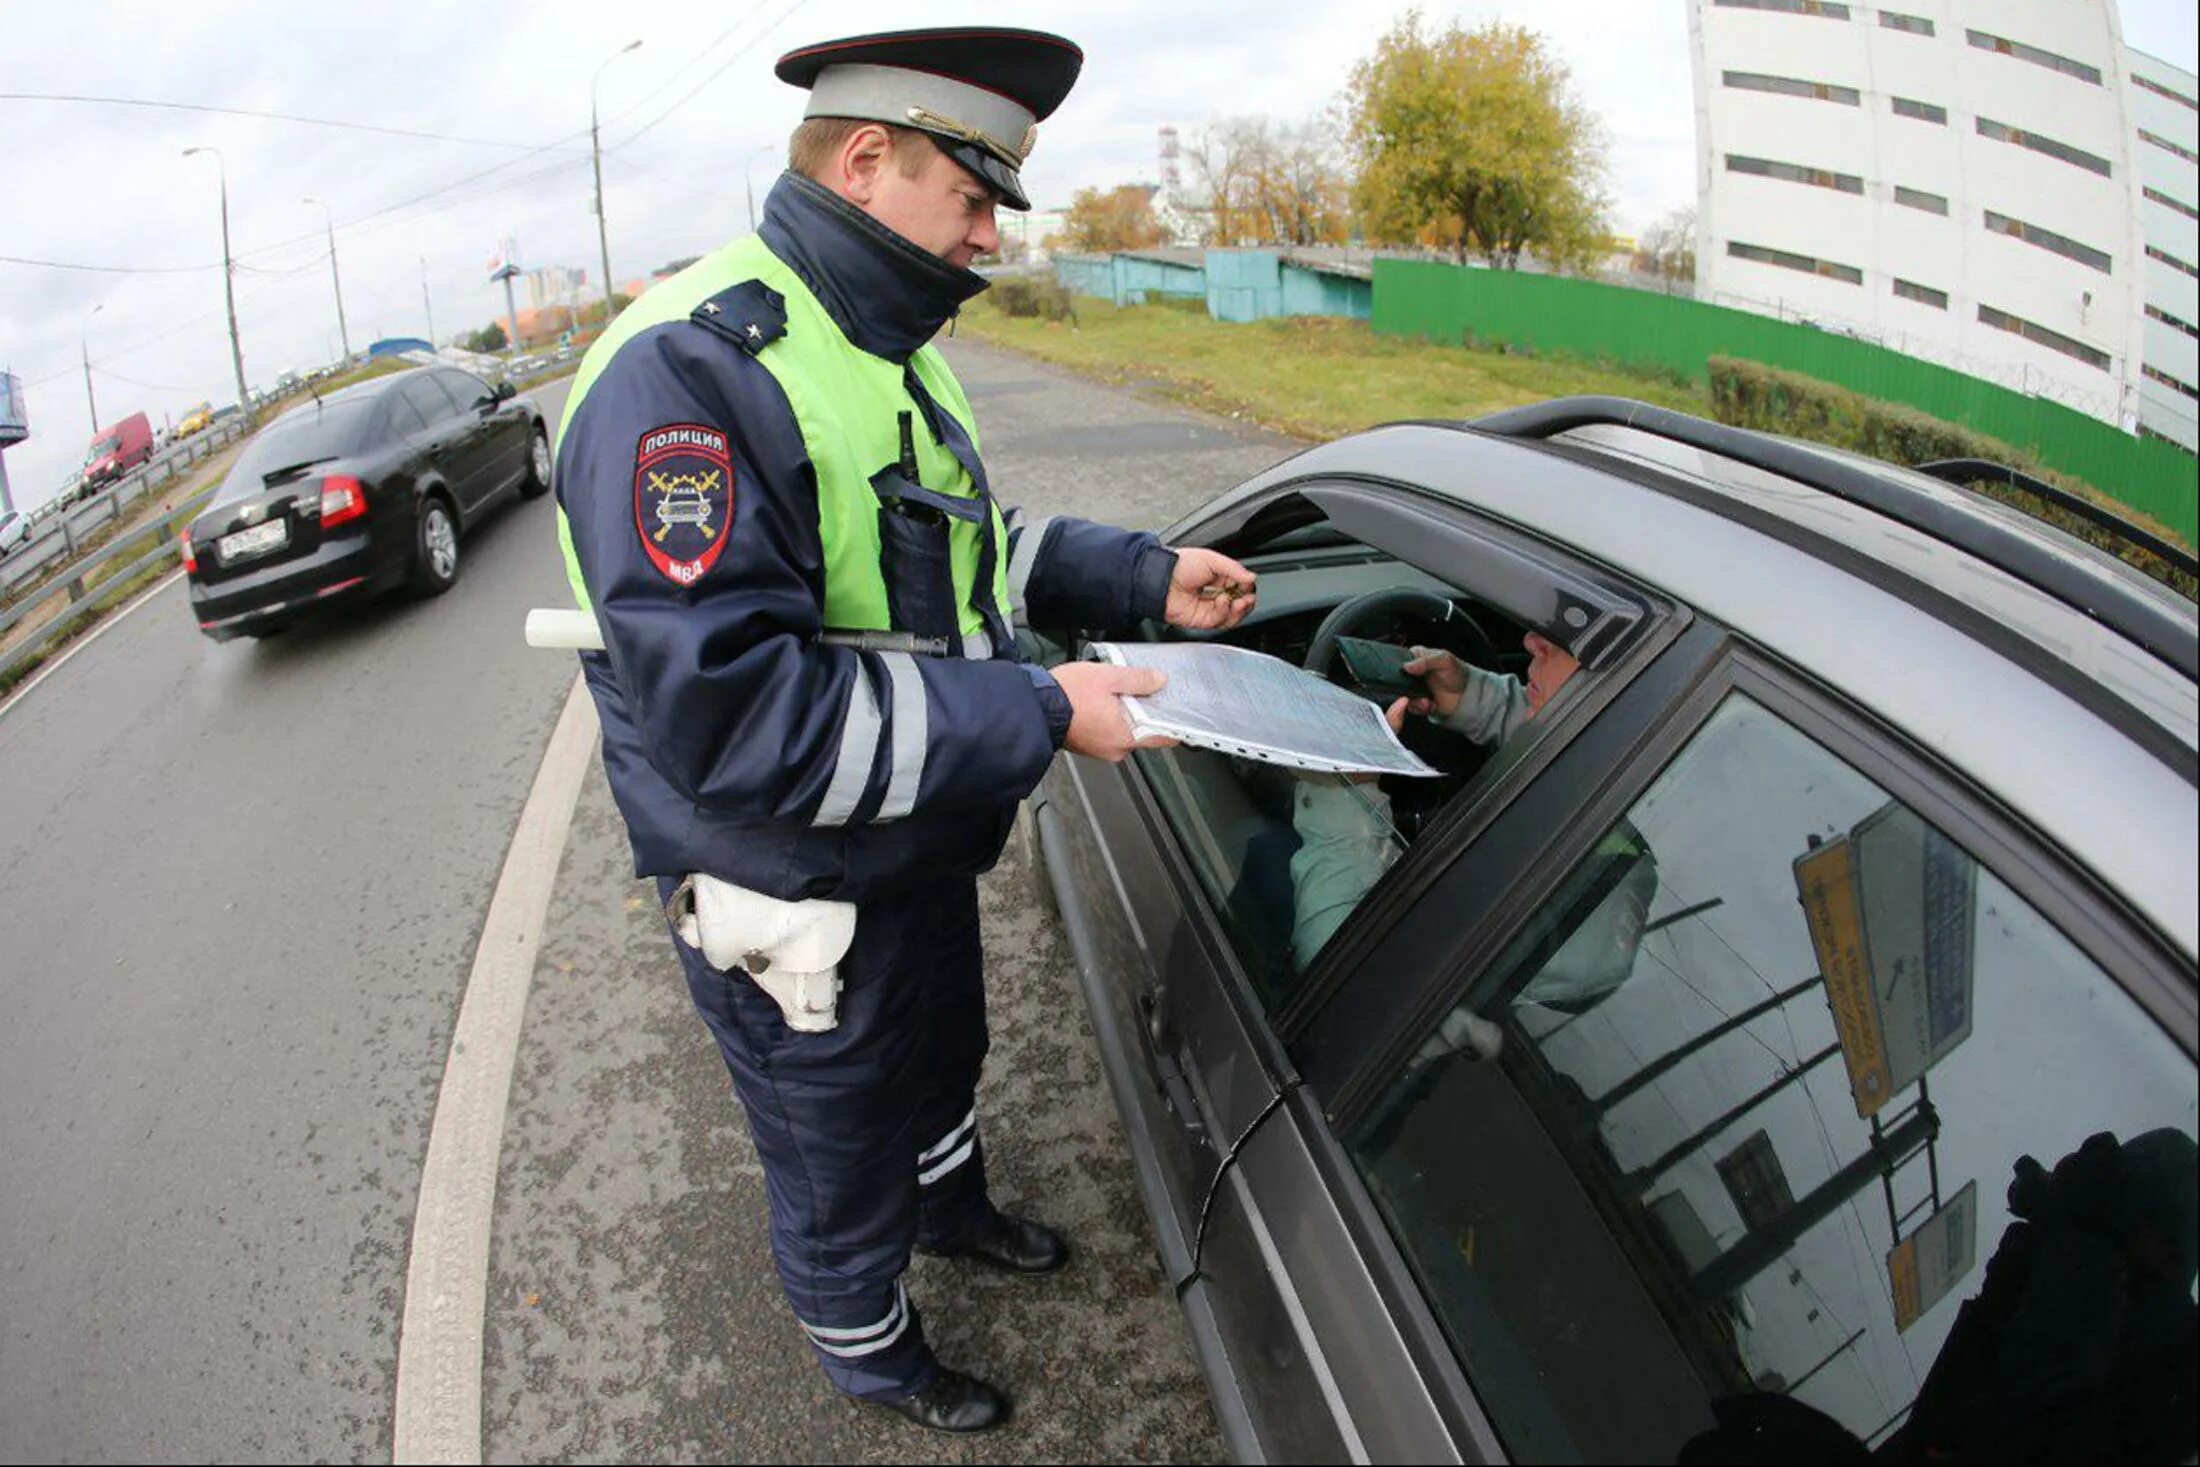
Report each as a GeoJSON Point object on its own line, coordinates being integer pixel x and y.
{"type": "Point", "coordinates": [1349, 616]}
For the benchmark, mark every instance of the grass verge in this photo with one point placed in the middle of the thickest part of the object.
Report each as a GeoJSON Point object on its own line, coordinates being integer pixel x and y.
{"type": "Point", "coordinates": [1313, 377]}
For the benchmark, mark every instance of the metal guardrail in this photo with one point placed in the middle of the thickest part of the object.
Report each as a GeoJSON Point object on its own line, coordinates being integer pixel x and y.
{"type": "Point", "coordinates": [63, 530]}
{"type": "Point", "coordinates": [151, 543]}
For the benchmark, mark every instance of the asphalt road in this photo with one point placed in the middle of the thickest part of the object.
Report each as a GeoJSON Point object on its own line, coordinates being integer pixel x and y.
{"type": "Point", "coordinates": [240, 890]}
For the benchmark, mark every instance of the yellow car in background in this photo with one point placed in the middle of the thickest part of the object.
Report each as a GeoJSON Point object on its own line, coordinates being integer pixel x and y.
{"type": "Point", "coordinates": [195, 420]}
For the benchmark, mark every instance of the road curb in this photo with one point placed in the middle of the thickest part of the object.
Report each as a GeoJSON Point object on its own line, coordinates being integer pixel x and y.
{"type": "Point", "coordinates": [438, 1405]}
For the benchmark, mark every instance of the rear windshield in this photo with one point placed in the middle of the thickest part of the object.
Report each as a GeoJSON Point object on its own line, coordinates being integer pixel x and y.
{"type": "Point", "coordinates": [304, 436]}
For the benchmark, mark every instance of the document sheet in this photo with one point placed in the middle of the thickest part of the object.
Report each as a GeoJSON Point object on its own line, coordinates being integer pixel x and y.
{"type": "Point", "coordinates": [1260, 707]}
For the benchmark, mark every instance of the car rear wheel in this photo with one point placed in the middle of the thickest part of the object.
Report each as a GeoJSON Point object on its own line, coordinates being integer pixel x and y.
{"type": "Point", "coordinates": [435, 552]}
{"type": "Point", "coordinates": [537, 482]}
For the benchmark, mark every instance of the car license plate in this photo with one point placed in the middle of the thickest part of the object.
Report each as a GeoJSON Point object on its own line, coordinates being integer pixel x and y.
{"type": "Point", "coordinates": [256, 541]}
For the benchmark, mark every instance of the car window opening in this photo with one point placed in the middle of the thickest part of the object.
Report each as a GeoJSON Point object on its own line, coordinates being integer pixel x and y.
{"type": "Point", "coordinates": [1287, 856]}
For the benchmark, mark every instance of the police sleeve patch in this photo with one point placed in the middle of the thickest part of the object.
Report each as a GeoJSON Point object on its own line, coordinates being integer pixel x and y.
{"type": "Point", "coordinates": [683, 499]}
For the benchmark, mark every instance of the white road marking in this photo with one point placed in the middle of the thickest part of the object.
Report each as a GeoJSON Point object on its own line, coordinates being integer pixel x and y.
{"type": "Point", "coordinates": [438, 1412]}
{"type": "Point", "coordinates": [106, 624]}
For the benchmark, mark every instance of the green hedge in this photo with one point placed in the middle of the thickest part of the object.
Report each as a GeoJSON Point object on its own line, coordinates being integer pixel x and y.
{"type": "Point", "coordinates": [1041, 296]}
{"type": "Point", "coordinates": [1751, 395]}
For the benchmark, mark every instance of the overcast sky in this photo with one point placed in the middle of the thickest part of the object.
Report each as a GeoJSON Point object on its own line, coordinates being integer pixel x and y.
{"type": "Point", "coordinates": [106, 185]}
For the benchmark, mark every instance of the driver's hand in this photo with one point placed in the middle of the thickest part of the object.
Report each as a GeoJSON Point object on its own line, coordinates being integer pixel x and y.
{"type": "Point", "coordinates": [1446, 677]}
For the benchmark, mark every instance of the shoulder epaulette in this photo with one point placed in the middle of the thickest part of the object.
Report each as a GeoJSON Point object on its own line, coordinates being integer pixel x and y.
{"type": "Point", "coordinates": [751, 315]}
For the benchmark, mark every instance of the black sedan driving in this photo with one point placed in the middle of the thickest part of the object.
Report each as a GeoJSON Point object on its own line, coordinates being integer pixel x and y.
{"type": "Point", "coordinates": [1768, 1036]}
{"type": "Point", "coordinates": [359, 492]}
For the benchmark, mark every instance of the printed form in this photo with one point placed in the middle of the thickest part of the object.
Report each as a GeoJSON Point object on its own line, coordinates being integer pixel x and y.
{"type": "Point", "coordinates": [1259, 707]}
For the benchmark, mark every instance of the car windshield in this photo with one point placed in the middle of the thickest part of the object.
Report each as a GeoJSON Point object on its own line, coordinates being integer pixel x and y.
{"type": "Point", "coordinates": [101, 447]}
{"type": "Point", "coordinates": [306, 436]}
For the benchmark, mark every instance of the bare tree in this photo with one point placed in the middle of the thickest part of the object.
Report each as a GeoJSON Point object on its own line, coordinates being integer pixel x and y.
{"type": "Point", "coordinates": [1270, 183]}
{"type": "Point", "coordinates": [1668, 247]}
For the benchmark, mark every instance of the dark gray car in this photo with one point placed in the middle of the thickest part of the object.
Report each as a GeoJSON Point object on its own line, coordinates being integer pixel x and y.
{"type": "Point", "coordinates": [1782, 1043]}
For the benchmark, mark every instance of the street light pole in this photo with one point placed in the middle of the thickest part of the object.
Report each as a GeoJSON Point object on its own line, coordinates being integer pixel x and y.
{"type": "Point", "coordinates": [426, 302]}
{"type": "Point", "coordinates": [748, 179]}
{"type": "Point", "coordinates": [595, 148]}
{"type": "Point", "coordinates": [342, 330]}
{"type": "Point", "coordinates": [84, 347]}
{"type": "Point", "coordinates": [229, 283]}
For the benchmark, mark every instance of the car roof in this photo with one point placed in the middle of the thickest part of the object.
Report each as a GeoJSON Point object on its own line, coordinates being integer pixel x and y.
{"type": "Point", "coordinates": [1833, 604]}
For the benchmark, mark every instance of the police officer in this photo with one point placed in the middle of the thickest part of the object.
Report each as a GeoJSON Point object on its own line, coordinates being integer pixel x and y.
{"type": "Point", "coordinates": [815, 720]}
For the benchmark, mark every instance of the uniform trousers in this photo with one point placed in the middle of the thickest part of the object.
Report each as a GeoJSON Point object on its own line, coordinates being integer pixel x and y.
{"type": "Point", "coordinates": [867, 1133]}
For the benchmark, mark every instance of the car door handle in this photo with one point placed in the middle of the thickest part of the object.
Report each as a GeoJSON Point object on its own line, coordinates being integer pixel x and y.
{"type": "Point", "coordinates": [1168, 1072]}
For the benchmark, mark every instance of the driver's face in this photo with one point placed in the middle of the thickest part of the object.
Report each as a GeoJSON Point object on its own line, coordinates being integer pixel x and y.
{"type": "Point", "coordinates": [1549, 665]}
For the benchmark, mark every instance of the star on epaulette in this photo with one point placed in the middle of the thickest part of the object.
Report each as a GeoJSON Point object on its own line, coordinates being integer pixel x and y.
{"type": "Point", "coordinates": [751, 315]}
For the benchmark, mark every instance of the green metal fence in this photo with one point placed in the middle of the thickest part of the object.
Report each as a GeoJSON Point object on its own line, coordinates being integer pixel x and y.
{"type": "Point", "coordinates": [1639, 329]}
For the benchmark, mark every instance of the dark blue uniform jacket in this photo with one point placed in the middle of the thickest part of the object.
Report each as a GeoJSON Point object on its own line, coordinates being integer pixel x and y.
{"type": "Point", "coordinates": [726, 722]}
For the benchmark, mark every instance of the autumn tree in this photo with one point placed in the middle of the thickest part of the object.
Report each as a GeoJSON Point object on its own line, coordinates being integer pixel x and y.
{"type": "Point", "coordinates": [1479, 136]}
{"type": "Point", "coordinates": [1267, 183]}
{"type": "Point", "coordinates": [1113, 219]}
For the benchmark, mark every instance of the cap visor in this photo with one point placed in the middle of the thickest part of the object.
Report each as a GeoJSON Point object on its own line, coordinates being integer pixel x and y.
{"type": "Point", "coordinates": [996, 174]}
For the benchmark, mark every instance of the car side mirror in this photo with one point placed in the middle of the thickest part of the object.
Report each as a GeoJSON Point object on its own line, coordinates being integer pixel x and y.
{"type": "Point", "coordinates": [505, 392]}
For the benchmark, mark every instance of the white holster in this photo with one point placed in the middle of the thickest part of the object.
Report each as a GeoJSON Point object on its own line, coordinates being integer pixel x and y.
{"type": "Point", "coordinates": [792, 950]}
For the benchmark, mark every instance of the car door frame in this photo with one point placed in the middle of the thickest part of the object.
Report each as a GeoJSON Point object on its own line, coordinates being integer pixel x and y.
{"type": "Point", "coordinates": [472, 455]}
{"type": "Point", "coordinates": [1231, 1073]}
{"type": "Point", "coordinates": [491, 436]}
{"type": "Point", "coordinates": [439, 447]}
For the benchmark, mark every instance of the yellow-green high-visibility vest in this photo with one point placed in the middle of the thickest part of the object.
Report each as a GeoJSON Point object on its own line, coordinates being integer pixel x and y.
{"type": "Point", "coordinates": [848, 405]}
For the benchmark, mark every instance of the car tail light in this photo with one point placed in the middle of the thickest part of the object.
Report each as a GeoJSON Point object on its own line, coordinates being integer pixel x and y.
{"type": "Point", "coordinates": [343, 499]}
{"type": "Point", "coordinates": [190, 556]}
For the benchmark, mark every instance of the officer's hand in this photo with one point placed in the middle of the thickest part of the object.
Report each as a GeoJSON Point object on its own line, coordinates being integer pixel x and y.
{"type": "Point", "coordinates": [1209, 591]}
{"type": "Point", "coordinates": [1446, 677]}
{"type": "Point", "coordinates": [1097, 725]}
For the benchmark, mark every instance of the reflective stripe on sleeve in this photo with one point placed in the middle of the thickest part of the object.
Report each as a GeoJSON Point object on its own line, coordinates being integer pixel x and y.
{"type": "Point", "coordinates": [859, 731]}
{"type": "Point", "coordinates": [912, 734]}
{"type": "Point", "coordinates": [867, 1339]}
{"type": "Point", "coordinates": [1022, 558]}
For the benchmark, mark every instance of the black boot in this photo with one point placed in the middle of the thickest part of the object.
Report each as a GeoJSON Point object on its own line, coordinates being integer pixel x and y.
{"type": "Point", "coordinates": [1013, 1245]}
{"type": "Point", "coordinates": [953, 1402]}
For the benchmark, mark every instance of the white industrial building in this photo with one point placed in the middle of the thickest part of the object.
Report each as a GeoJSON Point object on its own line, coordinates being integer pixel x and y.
{"type": "Point", "coordinates": [1960, 180]}
{"type": "Point", "coordinates": [2164, 103]}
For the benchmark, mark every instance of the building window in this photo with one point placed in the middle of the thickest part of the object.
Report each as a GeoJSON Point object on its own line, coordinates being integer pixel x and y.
{"type": "Point", "coordinates": [1895, 20]}
{"type": "Point", "coordinates": [1924, 295]}
{"type": "Point", "coordinates": [2169, 203]}
{"type": "Point", "coordinates": [2002, 132]}
{"type": "Point", "coordinates": [1848, 274]}
{"type": "Point", "coordinates": [2164, 143]}
{"type": "Point", "coordinates": [2047, 239]}
{"type": "Point", "coordinates": [2002, 45]}
{"type": "Point", "coordinates": [1788, 86]}
{"type": "Point", "coordinates": [1847, 183]}
{"type": "Point", "coordinates": [1823, 9]}
{"type": "Point", "coordinates": [2168, 320]}
{"type": "Point", "coordinates": [2168, 381]}
{"type": "Point", "coordinates": [2161, 91]}
{"type": "Point", "coordinates": [2172, 261]}
{"type": "Point", "coordinates": [1920, 111]}
{"type": "Point", "coordinates": [1917, 198]}
{"type": "Point", "coordinates": [2040, 335]}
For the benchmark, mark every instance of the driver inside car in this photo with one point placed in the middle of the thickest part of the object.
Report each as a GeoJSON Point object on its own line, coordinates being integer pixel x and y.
{"type": "Point", "coordinates": [1344, 825]}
